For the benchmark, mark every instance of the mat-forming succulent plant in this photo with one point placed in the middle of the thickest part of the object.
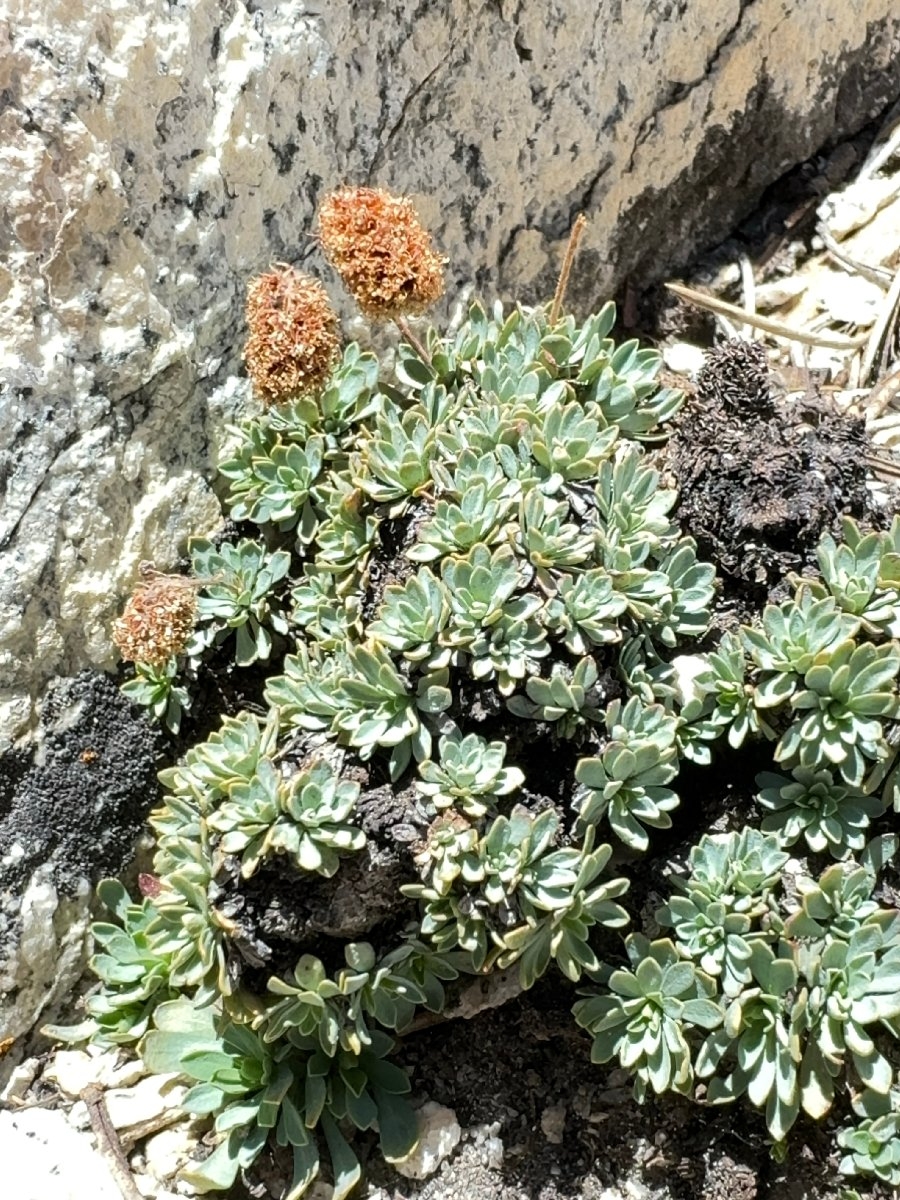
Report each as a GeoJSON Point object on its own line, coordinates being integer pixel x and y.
{"type": "Point", "coordinates": [463, 569]}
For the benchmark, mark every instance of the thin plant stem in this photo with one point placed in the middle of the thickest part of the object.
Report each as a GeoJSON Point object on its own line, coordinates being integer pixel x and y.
{"type": "Point", "coordinates": [723, 308]}
{"type": "Point", "coordinates": [403, 325]}
{"type": "Point", "coordinates": [571, 250]}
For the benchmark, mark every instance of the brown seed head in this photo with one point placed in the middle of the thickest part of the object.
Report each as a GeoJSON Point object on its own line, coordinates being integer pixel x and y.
{"type": "Point", "coordinates": [158, 619]}
{"type": "Point", "coordinates": [378, 246]}
{"type": "Point", "coordinates": [294, 338]}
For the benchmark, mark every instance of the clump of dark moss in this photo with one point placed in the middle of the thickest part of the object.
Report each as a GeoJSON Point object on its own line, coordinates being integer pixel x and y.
{"type": "Point", "coordinates": [761, 479]}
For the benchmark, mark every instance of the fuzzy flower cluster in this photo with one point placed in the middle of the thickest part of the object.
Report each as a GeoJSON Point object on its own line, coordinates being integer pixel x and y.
{"type": "Point", "coordinates": [158, 619]}
{"type": "Point", "coordinates": [380, 249]}
{"type": "Point", "coordinates": [294, 335]}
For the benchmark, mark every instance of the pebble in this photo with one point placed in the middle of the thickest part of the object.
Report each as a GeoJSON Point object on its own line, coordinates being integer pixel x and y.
{"type": "Point", "coordinates": [631, 1190]}
{"type": "Point", "coordinates": [683, 358]}
{"type": "Point", "coordinates": [553, 1121]}
{"type": "Point", "coordinates": [73, 1070]}
{"type": "Point", "coordinates": [166, 1152]}
{"type": "Point", "coordinates": [439, 1135]}
{"type": "Point", "coordinates": [493, 1153]}
{"type": "Point", "coordinates": [20, 1080]}
{"type": "Point", "coordinates": [320, 1190]}
{"type": "Point", "coordinates": [491, 1146]}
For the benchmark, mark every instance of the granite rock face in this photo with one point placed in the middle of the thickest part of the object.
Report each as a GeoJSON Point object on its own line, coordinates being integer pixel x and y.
{"type": "Point", "coordinates": [157, 154]}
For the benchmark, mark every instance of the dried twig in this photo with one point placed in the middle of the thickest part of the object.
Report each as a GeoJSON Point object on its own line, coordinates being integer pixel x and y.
{"type": "Point", "coordinates": [108, 1141]}
{"type": "Point", "coordinates": [882, 395]}
{"type": "Point", "coordinates": [748, 284]}
{"type": "Point", "coordinates": [416, 343]}
{"type": "Point", "coordinates": [884, 465]}
{"type": "Point", "coordinates": [873, 274]}
{"type": "Point", "coordinates": [881, 330]}
{"type": "Point", "coordinates": [776, 328]}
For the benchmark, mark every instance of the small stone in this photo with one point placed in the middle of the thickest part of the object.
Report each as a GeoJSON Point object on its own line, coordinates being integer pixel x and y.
{"type": "Point", "coordinates": [20, 1080]}
{"type": "Point", "coordinates": [123, 1075]}
{"type": "Point", "coordinates": [320, 1190]}
{"type": "Point", "coordinates": [630, 1190]}
{"type": "Point", "coordinates": [439, 1135]}
{"type": "Point", "coordinates": [636, 1191]}
{"type": "Point", "coordinates": [581, 1103]}
{"type": "Point", "coordinates": [166, 1152]}
{"type": "Point", "coordinates": [493, 1153]}
{"type": "Point", "coordinates": [683, 358]}
{"type": "Point", "coordinates": [779, 293]}
{"type": "Point", "coordinates": [553, 1122]}
{"type": "Point", "coordinates": [72, 1071]}
{"type": "Point", "coordinates": [77, 1116]}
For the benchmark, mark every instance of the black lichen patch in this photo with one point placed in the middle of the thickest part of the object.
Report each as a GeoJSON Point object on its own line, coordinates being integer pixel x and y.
{"type": "Point", "coordinates": [82, 802]}
{"type": "Point", "coordinates": [761, 480]}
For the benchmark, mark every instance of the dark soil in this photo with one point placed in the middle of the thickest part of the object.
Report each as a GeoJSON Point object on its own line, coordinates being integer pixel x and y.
{"type": "Point", "coordinates": [517, 1064]}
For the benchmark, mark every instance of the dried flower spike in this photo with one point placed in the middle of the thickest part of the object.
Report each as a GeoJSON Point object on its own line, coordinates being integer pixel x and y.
{"type": "Point", "coordinates": [383, 254]}
{"type": "Point", "coordinates": [158, 619]}
{"type": "Point", "coordinates": [294, 338]}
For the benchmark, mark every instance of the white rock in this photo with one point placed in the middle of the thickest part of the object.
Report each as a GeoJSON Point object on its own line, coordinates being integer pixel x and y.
{"type": "Point", "coordinates": [485, 1139]}
{"type": "Point", "coordinates": [631, 1189]}
{"type": "Point", "coordinates": [20, 1080]}
{"type": "Point", "coordinates": [123, 1075]}
{"type": "Point", "coordinates": [320, 1190]}
{"type": "Point", "coordinates": [73, 1070]}
{"type": "Point", "coordinates": [78, 1117]}
{"type": "Point", "coordinates": [145, 1101]}
{"type": "Point", "coordinates": [856, 206]}
{"type": "Point", "coordinates": [493, 1153]}
{"type": "Point", "coordinates": [683, 358]}
{"type": "Point", "coordinates": [779, 293]}
{"type": "Point", "coordinates": [849, 298]}
{"type": "Point", "coordinates": [51, 1160]}
{"type": "Point", "coordinates": [439, 1135]}
{"type": "Point", "coordinates": [167, 1151]}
